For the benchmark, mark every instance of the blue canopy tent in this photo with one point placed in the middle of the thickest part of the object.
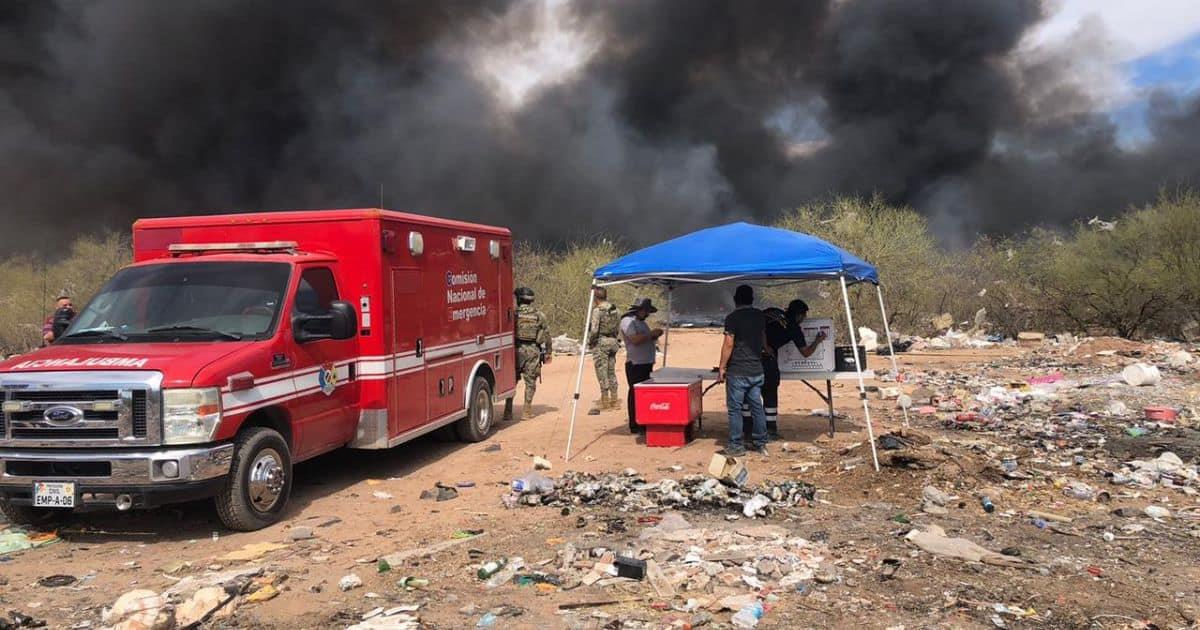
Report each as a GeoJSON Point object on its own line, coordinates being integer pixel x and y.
{"type": "Point", "coordinates": [738, 252]}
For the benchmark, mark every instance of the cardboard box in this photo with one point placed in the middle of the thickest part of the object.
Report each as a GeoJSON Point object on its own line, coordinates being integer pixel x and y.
{"type": "Point", "coordinates": [728, 469]}
{"type": "Point", "coordinates": [790, 359]}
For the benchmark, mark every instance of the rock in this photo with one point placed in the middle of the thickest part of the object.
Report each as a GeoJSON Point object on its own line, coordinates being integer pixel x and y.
{"type": "Point", "coordinates": [1029, 336]}
{"type": "Point", "coordinates": [541, 463]}
{"type": "Point", "coordinates": [203, 602]}
{"type": "Point", "coordinates": [300, 533]}
{"type": "Point", "coordinates": [350, 581]}
{"type": "Point", "coordinates": [140, 609]}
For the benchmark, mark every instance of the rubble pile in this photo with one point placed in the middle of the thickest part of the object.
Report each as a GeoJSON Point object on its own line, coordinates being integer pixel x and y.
{"type": "Point", "coordinates": [630, 492]}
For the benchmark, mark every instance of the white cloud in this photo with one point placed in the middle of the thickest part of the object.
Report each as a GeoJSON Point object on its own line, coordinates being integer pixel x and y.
{"type": "Point", "coordinates": [1139, 27]}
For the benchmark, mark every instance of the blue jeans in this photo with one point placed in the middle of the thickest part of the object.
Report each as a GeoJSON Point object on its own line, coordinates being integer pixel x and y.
{"type": "Point", "coordinates": [748, 390]}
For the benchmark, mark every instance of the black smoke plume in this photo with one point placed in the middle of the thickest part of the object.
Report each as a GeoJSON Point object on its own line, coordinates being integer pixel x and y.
{"type": "Point", "coordinates": [684, 113]}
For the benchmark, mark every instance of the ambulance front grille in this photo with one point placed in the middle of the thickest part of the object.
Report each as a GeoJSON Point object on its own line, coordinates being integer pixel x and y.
{"type": "Point", "coordinates": [117, 413]}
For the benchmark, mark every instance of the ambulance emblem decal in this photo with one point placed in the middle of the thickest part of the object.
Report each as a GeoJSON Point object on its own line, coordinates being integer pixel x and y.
{"type": "Point", "coordinates": [327, 378]}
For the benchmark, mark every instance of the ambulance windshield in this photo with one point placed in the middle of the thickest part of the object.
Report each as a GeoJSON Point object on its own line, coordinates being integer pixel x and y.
{"type": "Point", "coordinates": [186, 301]}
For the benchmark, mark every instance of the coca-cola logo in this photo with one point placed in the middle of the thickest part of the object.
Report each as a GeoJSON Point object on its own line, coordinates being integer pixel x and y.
{"type": "Point", "coordinates": [660, 406]}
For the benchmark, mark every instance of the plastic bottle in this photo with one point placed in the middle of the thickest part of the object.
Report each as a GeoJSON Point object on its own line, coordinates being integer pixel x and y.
{"type": "Point", "coordinates": [532, 483]}
{"type": "Point", "coordinates": [748, 616]}
{"type": "Point", "coordinates": [987, 504]}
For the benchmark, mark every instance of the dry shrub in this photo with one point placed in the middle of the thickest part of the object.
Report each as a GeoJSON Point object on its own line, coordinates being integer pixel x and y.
{"type": "Point", "coordinates": [897, 240]}
{"type": "Point", "coordinates": [560, 279]}
{"type": "Point", "coordinates": [29, 284]}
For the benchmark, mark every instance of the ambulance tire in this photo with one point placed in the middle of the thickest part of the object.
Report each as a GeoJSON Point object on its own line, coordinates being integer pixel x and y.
{"type": "Point", "coordinates": [27, 515]}
{"type": "Point", "coordinates": [481, 413]}
{"type": "Point", "coordinates": [254, 496]}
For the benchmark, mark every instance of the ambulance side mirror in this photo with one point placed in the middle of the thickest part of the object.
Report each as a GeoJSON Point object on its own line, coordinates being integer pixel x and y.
{"type": "Point", "coordinates": [338, 323]}
{"type": "Point", "coordinates": [343, 323]}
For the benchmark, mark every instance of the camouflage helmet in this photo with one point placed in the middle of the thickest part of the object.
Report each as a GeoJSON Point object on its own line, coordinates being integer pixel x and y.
{"type": "Point", "coordinates": [524, 295]}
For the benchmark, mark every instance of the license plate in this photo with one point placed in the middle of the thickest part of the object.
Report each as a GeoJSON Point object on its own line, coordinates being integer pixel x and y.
{"type": "Point", "coordinates": [54, 494]}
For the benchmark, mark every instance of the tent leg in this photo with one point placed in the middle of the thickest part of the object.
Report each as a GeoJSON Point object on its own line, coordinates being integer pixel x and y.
{"type": "Point", "coordinates": [862, 387]}
{"type": "Point", "coordinates": [587, 327]}
{"type": "Point", "coordinates": [891, 348]}
{"type": "Point", "coordinates": [667, 333]}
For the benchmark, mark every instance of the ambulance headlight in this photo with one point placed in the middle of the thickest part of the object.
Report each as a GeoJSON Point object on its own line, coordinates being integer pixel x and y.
{"type": "Point", "coordinates": [190, 415]}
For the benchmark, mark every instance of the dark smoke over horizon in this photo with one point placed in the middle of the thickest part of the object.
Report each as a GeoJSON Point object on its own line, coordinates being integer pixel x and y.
{"type": "Point", "coordinates": [677, 114]}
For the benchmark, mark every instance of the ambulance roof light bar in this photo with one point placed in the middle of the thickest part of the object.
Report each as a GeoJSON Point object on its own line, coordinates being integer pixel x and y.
{"type": "Point", "coordinates": [265, 247]}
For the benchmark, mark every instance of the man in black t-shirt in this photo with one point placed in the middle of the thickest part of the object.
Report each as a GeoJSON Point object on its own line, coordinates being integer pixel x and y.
{"type": "Point", "coordinates": [742, 372]}
{"type": "Point", "coordinates": [783, 327]}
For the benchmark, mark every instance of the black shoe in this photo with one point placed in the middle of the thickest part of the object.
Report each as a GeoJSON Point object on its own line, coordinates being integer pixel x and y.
{"type": "Point", "coordinates": [761, 450]}
{"type": "Point", "coordinates": [733, 451]}
{"type": "Point", "coordinates": [772, 435]}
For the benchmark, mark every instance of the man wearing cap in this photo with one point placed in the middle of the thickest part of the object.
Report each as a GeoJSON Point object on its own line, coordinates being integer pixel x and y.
{"type": "Point", "coordinates": [58, 322]}
{"type": "Point", "coordinates": [639, 349]}
{"type": "Point", "coordinates": [783, 327]}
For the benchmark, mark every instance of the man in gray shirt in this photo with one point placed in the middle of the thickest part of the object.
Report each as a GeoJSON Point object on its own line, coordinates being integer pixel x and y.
{"type": "Point", "coordinates": [639, 349]}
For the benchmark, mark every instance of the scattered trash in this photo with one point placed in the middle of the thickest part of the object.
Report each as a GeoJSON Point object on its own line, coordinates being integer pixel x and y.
{"type": "Point", "coordinates": [933, 540]}
{"type": "Point", "coordinates": [252, 551]}
{"type": "Point", "coordinates": [380, 494]}
{"type": "Point", "coordinates": [140, 608]}
{"type": "Point", "coordinates": [1141, 374]}
{"type": "Point", "coordinates": [541, 463]}
{"type": "Point", "coordinates": [56, 581]}
{"type": "Point", "coordinates": [349, 581]}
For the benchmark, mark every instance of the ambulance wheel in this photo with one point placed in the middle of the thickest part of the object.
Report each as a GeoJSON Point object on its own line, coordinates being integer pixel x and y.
{"type": "Point", "coordinates": [259, 482]}
{"type": "Point", "coordinates": [480, 414]}
{"type": "Point", "coordinates": [27, 515]}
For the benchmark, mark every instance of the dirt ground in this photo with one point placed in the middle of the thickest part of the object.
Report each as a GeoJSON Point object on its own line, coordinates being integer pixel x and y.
{"type": "Point", "coordinates": [1083, 580]}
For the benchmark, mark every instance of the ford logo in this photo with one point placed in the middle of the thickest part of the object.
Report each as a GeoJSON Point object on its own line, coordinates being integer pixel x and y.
{"type": "Point", "coordinates": [62, 415]}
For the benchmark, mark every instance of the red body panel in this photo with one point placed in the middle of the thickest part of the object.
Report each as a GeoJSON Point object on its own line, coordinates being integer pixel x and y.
{"type": "Point", "coordinates": [428, 323]}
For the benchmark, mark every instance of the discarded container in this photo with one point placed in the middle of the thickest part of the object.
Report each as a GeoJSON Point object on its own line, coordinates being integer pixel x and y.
{"type": "Point", "coordinates": [630, 568]}
{"type": "Point", "coordinates": [1009, 463]}
{"type": "Point", "coordinates": [729, 470]}
{"type": "Point", "coordinates": [1159, 413]}
{"type": "Point", "coordinates": [1080, 490]}
{"type": "Point", "coordinates": [748, 616]}
{"type": "Point", "coordinates": [490, 568]}
{"type": "Point", "coordinates": [533, 483]}
{"type": "Point", "coordinates": [1135, 431]}
{"type": "Point", "coordinates": [1140, 374]}
{"type": "Point", "coordinates": [987, 504]}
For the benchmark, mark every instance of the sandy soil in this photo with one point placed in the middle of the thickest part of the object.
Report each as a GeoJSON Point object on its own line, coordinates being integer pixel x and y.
{"type": "Point", "coordinates": [127, 551]}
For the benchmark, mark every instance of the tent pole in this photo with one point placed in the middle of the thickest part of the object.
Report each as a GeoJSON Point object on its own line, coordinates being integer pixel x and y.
{"type": "Point", "coordinates": [587, 328]}
{"type": "Point", "coordinates": [891, 348]}
{"type": "Point", "coordinates": [862, 388]}
{"type": "Point", "coordinates": [667, 333]}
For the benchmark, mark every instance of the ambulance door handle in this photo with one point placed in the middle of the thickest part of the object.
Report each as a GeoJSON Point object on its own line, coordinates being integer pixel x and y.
{"type": "Point", "coordinates": [441, 387]}
{"type": "Point", "coordinates": [420, 347]}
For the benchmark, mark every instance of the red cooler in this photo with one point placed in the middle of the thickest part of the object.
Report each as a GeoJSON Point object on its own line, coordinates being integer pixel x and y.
{"type": "Point", "coordinates": [668, 410]}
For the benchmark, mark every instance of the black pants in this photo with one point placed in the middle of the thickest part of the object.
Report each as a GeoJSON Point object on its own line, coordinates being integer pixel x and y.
{"type": "Point", "coordinates": [770, 396]}
{"type": "Point", "coordinates": [634, 374]}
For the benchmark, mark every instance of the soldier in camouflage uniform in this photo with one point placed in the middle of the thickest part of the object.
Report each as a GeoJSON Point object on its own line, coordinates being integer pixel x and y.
{"type": "Point", "coordinates": [602, 338]}
{"type": "Point", "coordinates": [533, 345]}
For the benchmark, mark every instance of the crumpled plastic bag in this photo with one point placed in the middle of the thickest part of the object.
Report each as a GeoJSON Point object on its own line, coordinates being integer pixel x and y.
{"type": "Point", "coordinates": [933, 539]}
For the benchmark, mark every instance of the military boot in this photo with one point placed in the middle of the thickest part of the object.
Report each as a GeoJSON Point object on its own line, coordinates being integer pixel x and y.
{"type": "Point", "coordinates": [612, 401]}
{"type": "Point", "coordinates": [597, 405]}
{"type": "Point", "coordinates": [527, 410]}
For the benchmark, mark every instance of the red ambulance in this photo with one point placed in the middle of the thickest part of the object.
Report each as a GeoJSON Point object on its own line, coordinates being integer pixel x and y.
{"type": "Point", "coordinates": [237, 345]}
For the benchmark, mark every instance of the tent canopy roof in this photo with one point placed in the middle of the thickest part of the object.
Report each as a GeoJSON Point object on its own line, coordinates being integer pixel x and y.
{"type": "Point", "coordinates": [738, 251]}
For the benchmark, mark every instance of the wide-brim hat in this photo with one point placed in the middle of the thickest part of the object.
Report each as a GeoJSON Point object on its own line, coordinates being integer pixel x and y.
{"type": "Point", "coordinates": [643, 303]}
